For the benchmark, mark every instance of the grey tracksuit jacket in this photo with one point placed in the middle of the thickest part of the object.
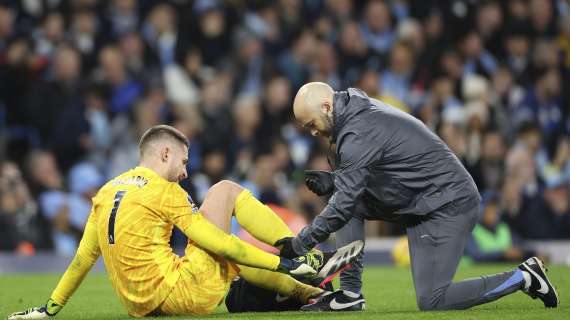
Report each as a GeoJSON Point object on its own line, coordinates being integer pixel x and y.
{"type": "Point", "coordinates": [390, 162]}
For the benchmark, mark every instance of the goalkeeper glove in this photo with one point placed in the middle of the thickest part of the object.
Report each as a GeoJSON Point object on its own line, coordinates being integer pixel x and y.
{"type": "Point", "coordinates": [296, 267]}
{"type": "Point", "coordinates": [49, 310]}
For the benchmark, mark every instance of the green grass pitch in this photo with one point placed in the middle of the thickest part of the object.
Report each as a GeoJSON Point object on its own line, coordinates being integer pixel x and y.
{"type": "Point", "coordinates": [389, 293]}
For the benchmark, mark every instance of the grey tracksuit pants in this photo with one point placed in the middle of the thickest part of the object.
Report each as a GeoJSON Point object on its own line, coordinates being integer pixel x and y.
{"type": "Point", "coordinates": [436, 243]}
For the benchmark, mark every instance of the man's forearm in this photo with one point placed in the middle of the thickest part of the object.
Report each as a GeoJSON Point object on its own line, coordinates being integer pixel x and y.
{"type": "Point", "coordinates": [329, 221]}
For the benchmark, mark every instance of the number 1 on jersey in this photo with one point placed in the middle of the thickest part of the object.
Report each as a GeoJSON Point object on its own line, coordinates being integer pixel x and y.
{"type": "Point", "coordinates": [118, 197]}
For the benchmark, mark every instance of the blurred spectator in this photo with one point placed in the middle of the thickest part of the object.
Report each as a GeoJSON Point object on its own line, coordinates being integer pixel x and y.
{"type": "Point", "coordinates": [492, 240]}
{"type": "Point", "coordinates": [545, 54]}
{"type": "Point", "coordinates": [114, 72]}
{"type": "Point", "coordinates": [377, 26]}
{"type": "Point", "coordinates": [147, 112]}
{"type": "Point", "coordinates": [543, 103]}
{"type": "Point", "coordinates": [434, 40]}
{"type": "Point", "coordinates": [84, 182]}
{"type": "Point", "coordinates": [161, 34]}
{"type": "Point", "coordinates": [476, 115]}
{"type": "Point", "coordinates": [294, 63]}
{"type": "Point", "coordinates": [213, 171]}
{"type": "Point", "coordinates": [246, 121]}
{"type": "Point", "coordinates": [123, 16]}
{"type": "Point", "coordinates": [132, 48]}
{"type": "Point", "coordinates": [563, 39]}
{"type": "Point", "coordinates": [556, 162]}
{"type": "Point", "coordinates": [477, 59]}
{"type": "Point", "coordinates": [43, 172]}
{"type": "Point", "coordinates": [50, 99]}
{"type": "Point", "coordinates": [520, 160]}
{"type": "Point", "coordinates": [20, 226]}
{"type": "Point", "coordinates": [326, 66]}
{"type": "Point", "coordinates": [517, 52]}
{"type": "Point", "coordinates": [488, 171]}
{"type": "Point", "coordinates": [275, 106]}
{"type": "Point", "coordinates": [541, 14]}
{"type": "Point", "coordinates": [249, 63]}
{"type": "Point", "coordinates": [84, 130]}
{"type": "Point", "coordinates": [216, 95]}
{"type": "Point", "coordinates": [84, 36]}
{"type": "Point", "coordinates": [16, 73]}
{"type": "Point", "coordinates": [81, 81]}
{"type": "Point", "coordinates": [352, 50]}
{"type": "Point", "coordinates": [410, 33]}
{"type": "Point", "coordinates": [548, 215]}
{"type": "Point", "coordinates": [261, 180]}
{"type": "Point", "coordinates": [396, 80]}
{"type": "Point", "coordinates": [65, 236]}
{"type": "Point", "coordinates": [213, 36]}
{"type": "Point", "coordinates": [441, 106]}
{"type": "Point", "coordinates": [339, 10]}
{"type": "Point", "coordinates": [50, 35]}
{"type": "Point", "coordinates": [504, 95]}
{"type": "Point", "coordinates": [511, 203]}
{"type": "Point", "coordinates": [489, 21]}
{"type": "Point", "coordinates": [6, 26]}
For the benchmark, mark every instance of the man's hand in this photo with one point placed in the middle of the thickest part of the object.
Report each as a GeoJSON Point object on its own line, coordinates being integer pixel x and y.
{"type": "Point", "coordinates": [285, 247]}
{"type": "Point", "coordinates": [49, 310]}
{"type": "Point", "coordinates": [320, 182]}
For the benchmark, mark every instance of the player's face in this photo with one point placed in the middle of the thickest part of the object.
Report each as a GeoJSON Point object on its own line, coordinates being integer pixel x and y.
{"type": "Point", "coordinates": [319, 123]}
{"type": "Point", "coordinates": [177, 163]}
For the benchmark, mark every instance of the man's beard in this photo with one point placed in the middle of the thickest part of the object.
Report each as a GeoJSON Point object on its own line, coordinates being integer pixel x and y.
{"type": "Point", "coordinates": [328, 120]}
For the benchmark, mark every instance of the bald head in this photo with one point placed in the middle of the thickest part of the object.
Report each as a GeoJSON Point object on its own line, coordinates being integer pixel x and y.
{"type": "Point", "coordinates": [311, 97]}
{"type": "Point", "coordinates": [313, 106]}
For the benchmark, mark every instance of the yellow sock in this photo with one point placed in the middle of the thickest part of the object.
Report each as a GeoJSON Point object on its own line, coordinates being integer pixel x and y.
{"type": "Point", "coordinates": [259, 220]}
{"type": "Point", "coordinates": [279, 282]}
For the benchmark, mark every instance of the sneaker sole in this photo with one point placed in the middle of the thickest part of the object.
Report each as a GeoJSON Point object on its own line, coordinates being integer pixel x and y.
{"type": "Point", "coordinates": [342, 257]}
{"type": "Point", "coordinates": [545, 278]}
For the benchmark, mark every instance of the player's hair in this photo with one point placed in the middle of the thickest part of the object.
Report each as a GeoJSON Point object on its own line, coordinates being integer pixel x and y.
{"type": "Point", "coordinates": [161, 131]}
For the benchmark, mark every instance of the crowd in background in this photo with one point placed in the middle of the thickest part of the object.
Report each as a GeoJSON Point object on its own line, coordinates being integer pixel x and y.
{"type": "Point", "coordinates": [80, 81]}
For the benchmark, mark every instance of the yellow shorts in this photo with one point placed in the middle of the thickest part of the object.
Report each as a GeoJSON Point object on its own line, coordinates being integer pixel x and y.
{"type": "Point", "coordinates": [204, 282]}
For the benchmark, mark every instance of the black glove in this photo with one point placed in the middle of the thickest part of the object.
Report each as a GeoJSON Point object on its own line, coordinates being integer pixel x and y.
{"type": "Point", "coordinates": [285, 247]}
{"type": "Point", "coordinates": [320, 182]}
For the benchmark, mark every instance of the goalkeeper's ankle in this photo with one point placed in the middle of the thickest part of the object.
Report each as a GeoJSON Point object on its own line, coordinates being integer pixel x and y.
{"type": "Point", "coordinates": [285, 265]}
{"type": "Point", "coordinates": [52, 308]}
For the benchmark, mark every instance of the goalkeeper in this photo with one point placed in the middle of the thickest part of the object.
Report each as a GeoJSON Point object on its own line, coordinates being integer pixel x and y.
{"type": "Point", "coordinates": [130, 225]}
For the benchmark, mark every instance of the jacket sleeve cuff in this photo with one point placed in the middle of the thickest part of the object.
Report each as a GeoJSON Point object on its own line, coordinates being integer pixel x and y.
{"type": "Point", "coordinates": [303, 242]}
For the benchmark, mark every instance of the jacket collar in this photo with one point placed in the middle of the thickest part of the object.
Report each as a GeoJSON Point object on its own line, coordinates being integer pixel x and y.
{"type": "Point", "coordinates": [340, 99]}
{"type": "Point", "coordinates": [342, 112]}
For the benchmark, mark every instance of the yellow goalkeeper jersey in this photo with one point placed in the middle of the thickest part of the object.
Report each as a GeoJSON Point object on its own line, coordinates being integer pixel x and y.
{"type": "Point", "coordinates": [130, 225]}
{"type": "Point", "coordinates": [134, 214]}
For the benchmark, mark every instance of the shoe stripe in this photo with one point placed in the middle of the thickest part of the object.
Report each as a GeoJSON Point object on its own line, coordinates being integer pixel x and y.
{"type": "Point", "coordinates": [343, 256]}
{"type": "Point", "coordinates": [515, 279]}
{"type": "Point", "coordinates": [332, 276]}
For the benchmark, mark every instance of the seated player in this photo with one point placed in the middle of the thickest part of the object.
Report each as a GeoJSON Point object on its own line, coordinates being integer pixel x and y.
{"type": "Point", "coordinates": [130, 225]}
